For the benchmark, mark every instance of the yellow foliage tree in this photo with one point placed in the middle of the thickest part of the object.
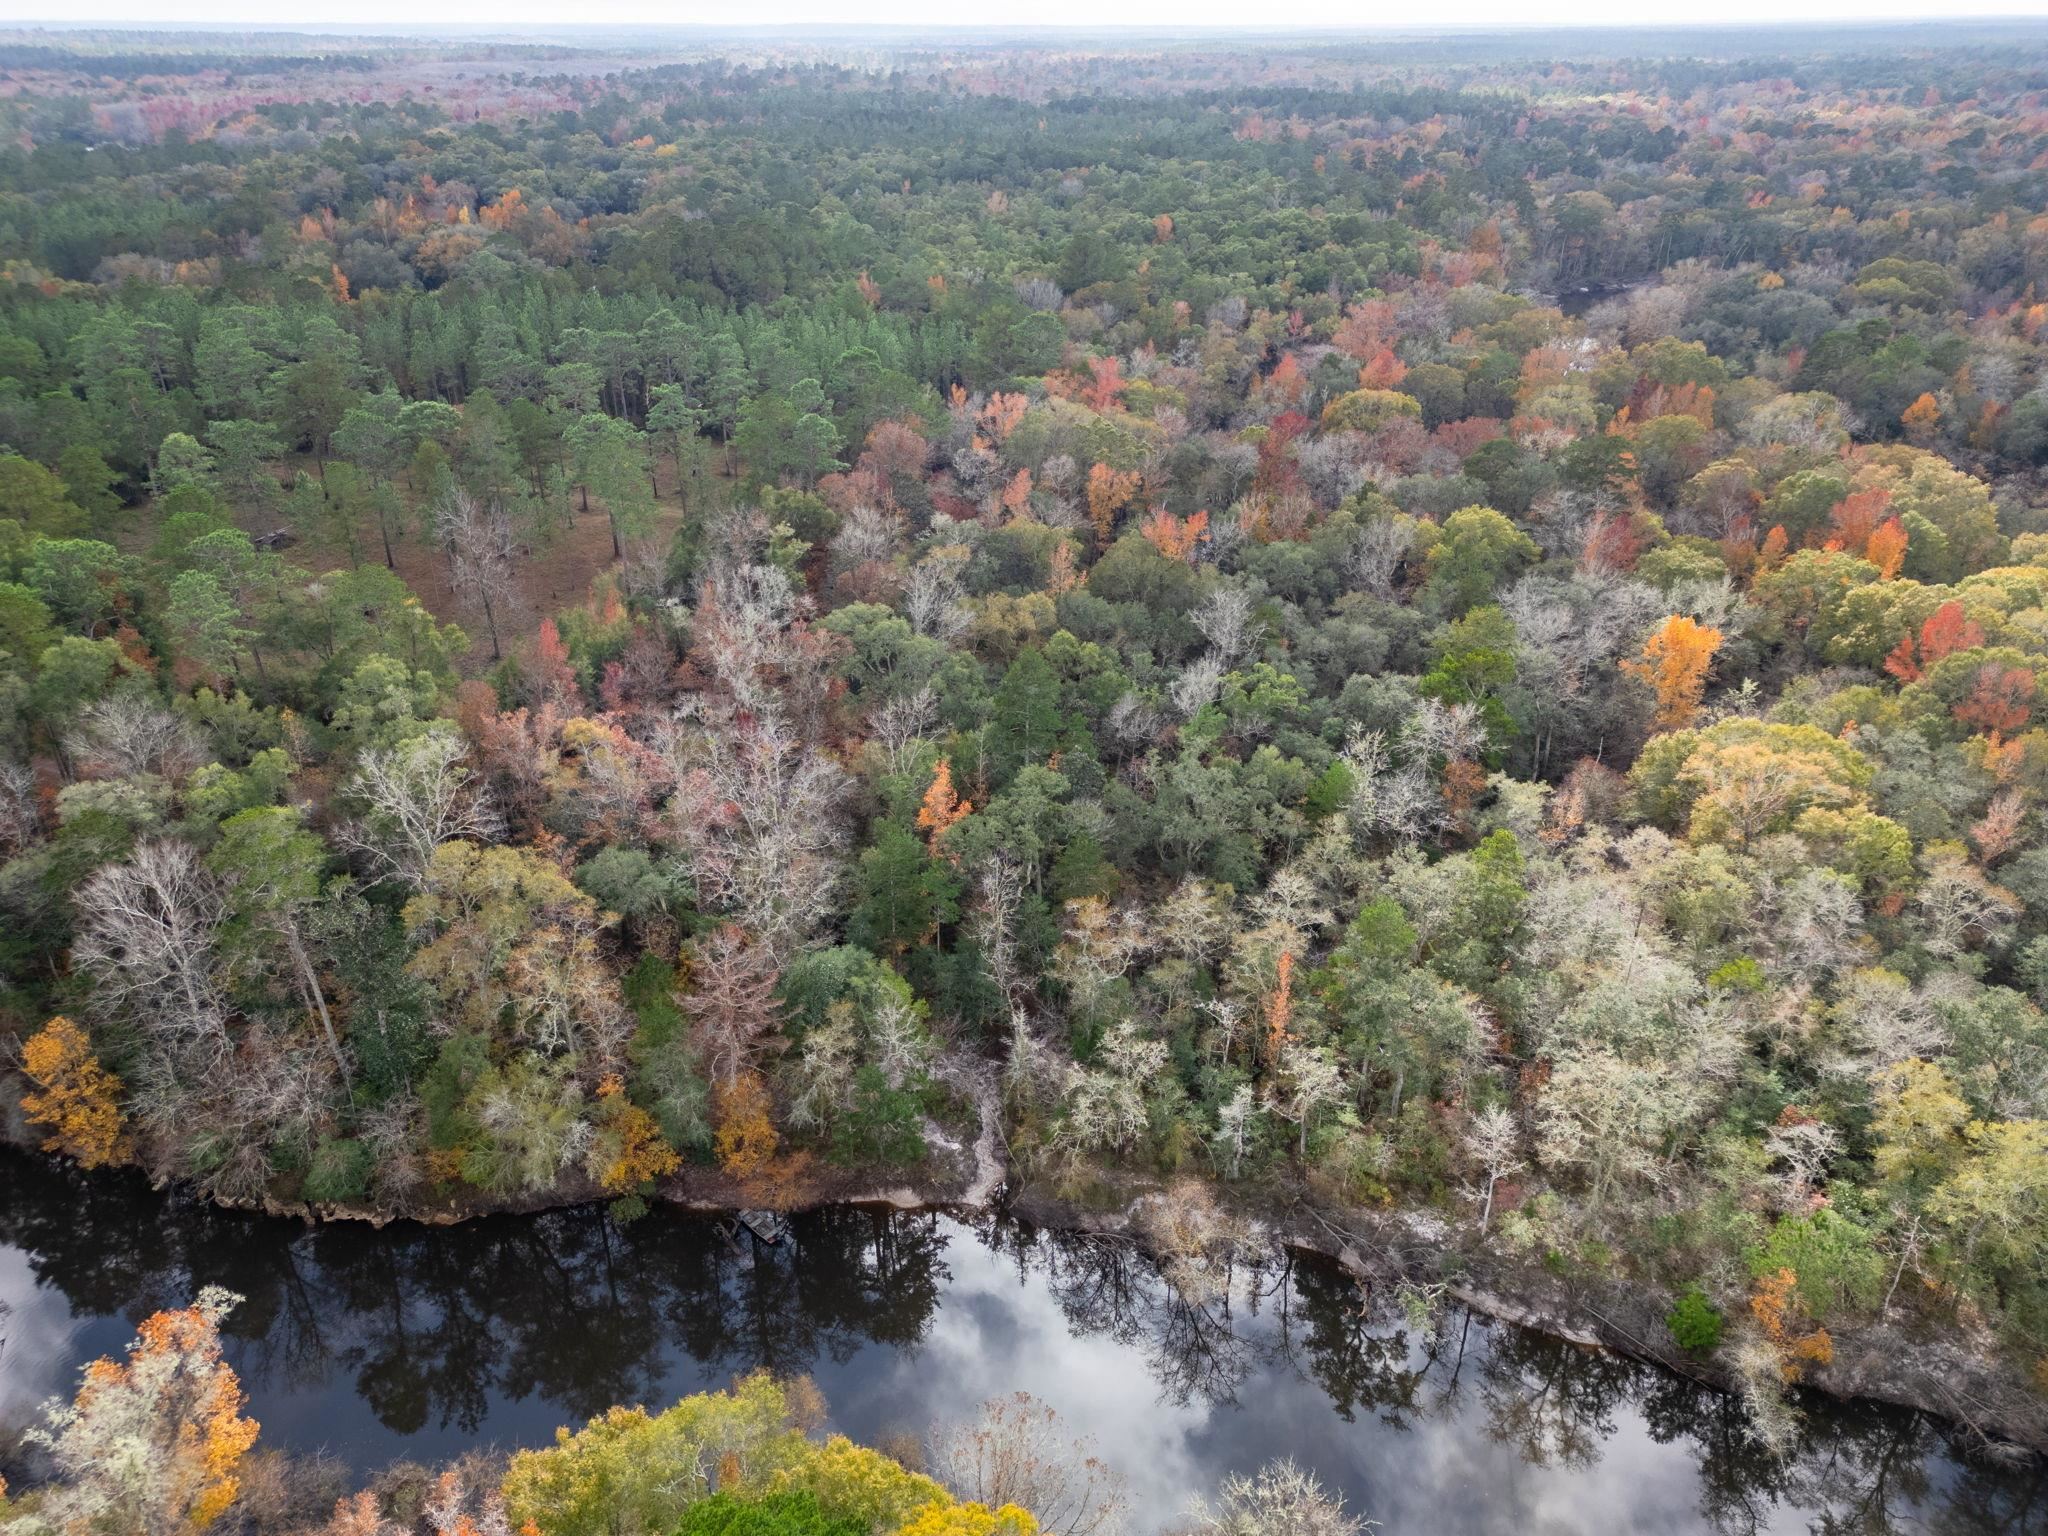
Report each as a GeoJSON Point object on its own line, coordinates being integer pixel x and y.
{"type": "Point", "coordinates": [628, 1149]}
{"type": "Point", "coordinates": [744, 1133]}
{"type": "Point", "coordinates": [1920, 1122]}
{"type": "Point", "coordinates": [1674, 663]}
{"type": "Point", "coordinates": [970, 1520]}
{"type": "Point", "coordinates": [77, 1098]}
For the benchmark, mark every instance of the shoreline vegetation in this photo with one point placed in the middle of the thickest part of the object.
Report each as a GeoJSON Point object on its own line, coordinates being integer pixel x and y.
{"type": "Point", "coordinates": [1269, 645]}
{"type": "Point", "coordinates": [1413, 1252]}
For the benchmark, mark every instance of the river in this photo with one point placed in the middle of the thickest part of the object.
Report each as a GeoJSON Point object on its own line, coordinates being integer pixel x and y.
{"type": "Point", "coordinates": [417, 1343]}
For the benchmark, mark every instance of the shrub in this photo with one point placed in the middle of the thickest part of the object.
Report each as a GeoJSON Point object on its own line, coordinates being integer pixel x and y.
{"type": "Point", "coordinates": [779, 1514]}
{"type": "Point", "coordinates": [1695, 1322]}
{"type": "Point", "coordinates": [1838, 1267]}
{"type": "Point", "coordinates": [340, 1170]}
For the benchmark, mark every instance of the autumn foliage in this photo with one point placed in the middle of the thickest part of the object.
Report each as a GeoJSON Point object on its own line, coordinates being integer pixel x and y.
{"type": "Point", "coordinates": [743, 1129]}
{"type": "Point", "coordinates": [630, 1145]}
{"type": "Point", "coordinates": [1886, 547]}
{"type": "Point", "coordinates": [1674, 663]}
{"type": "Point", "coordinates": [1280, 1006]}
{"type": "Point", "coordinates": [1176, 537]}
{"type": "Point", "coordinates": [157, 1439]}
{"type": "Point", "coordinates": [2000, 702]}
{"type": "Point", "coordinates": [76, 1097]}
{"type": "Point", "coordinates": [942, 809]}
{"type": "Point", "coordinates": [1109, 492]}
{"type": "Point", "coordinates": [1774, 1303]}
{"type": "Point", "coordinates": [1946, 631]}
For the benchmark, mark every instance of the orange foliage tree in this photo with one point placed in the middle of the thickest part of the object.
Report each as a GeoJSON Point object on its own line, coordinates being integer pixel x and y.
{"type": "Point", "coordinates": [1105, 385]}
{"type": "Point", "coordinates": [1382, 370]}
{"type": "Point", "coordinates": [152, 1444]}
{"type": "Point", "coordinates": [76, 1097]}
{"type": "Point", "coordinates": [1774, 1303]}
{"type": "Point", "coordinates": [1016, 497]}
{"type": "Point", "coordinates": [1854, 518]}
{"type": "Point", "coordinates": [942, 808]}
{"type": "Point", "coordinates": [1280, 1006]}
{"type": "Point", "coordinates": [1886, 548]}
{"type": "Point", "coordinates": [1674, 663]}
{"type": "Point", "coordinates": [1921, 417]}
{"type": "Point", "coordinates": [1109, 491]}
{"type": "Point", "coordinates": [1001, 413]}
{"type": "Point", "coordinates": [1176, 537]}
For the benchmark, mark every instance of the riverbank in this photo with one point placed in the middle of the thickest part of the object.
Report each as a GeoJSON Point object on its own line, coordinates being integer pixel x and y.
{"type": "Point", "coordinates": [1954, 1378]}
{"type": "Point", "coordinates": [1951, 1376]}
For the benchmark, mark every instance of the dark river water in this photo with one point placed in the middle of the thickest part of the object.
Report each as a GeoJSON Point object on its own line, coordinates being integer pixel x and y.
{"type": "Point", "coordinates": [417, 1343]}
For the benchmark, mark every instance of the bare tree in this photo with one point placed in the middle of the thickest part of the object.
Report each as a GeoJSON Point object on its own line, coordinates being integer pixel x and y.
{"type": "Point", "coordinates": [21, 821]}
{"type": "Point", "coordinates": [1280, 1499]}
{"type": "Point", "coordinates": [758, 811]}
{"type": "Point", "coordinates": [1016, 1451]}
{"type": "Point", "coordinates": [1492, 1142]}
{"type": "Point", "coordinates": [869, 536]}
{"type": "Point", "coordinates": [993, 922]}
{"type": "Point", "coordinates": [1236, 1125]}
{"type": "Point", "coordinates": [1133, 720]}
{"type": "Point", "coordinates": [1800, 1151]}
{"type": "Point", "coordinates": [901, 722]}
{"type": "Point", "coordinates": [934, 601]}
{"type": "Point", "coordinates": [481, 548]}
{"type": "Point", "coordinates": [147, 932]}
{"type": "Point", "coordinates": [1306, 1081]}
{"type": "Point", "coordinates": [1226, 620]}
{"type": "Point", "coordinates": [415, 797]}
{"type": "Point", "coordinates": [732, 1006]}
{"type": "Point", "coordinates": [1198, 684]}
{"type": "Point", "coordinates": [128, 733]}
{"type": "Point", "coordinates": [1376, 553]}
{"type": "Point", "coordinates": [1195, 1239]}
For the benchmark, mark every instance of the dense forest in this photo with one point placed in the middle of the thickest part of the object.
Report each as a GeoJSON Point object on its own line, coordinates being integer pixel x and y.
{"type": "Point", "coordinates": [1280, 624]}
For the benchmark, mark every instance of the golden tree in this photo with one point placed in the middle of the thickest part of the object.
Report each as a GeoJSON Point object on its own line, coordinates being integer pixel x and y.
{"type": "Point", "coordinates": [77, 1098]}
{"type": "Point", "coordinates": [1674, 663]}
{"type": "Point", "coordinates": [628, 1149]}
{"type": "Point", "coordinates": [744, 1132]}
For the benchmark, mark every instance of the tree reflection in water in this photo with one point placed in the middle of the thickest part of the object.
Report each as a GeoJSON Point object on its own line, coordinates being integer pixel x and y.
{"type": "Point", "coordinates": [499, 1329]}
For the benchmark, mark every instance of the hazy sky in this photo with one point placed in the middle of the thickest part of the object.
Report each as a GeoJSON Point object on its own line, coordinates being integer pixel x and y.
{"type": "Point", "coordinates": [1150, 13]}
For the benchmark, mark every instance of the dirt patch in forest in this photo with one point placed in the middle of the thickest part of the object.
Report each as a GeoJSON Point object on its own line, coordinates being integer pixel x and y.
{"type": "Point", "coordinates": [549, 578]}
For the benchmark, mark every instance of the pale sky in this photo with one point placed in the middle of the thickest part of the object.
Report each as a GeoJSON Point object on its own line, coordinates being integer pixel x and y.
{"type": "Point", "coordinates": [1294, 15]}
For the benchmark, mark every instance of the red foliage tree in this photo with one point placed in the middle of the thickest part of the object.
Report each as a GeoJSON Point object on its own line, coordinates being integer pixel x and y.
{"type": "Point", "coordinates": [2001, 702]}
